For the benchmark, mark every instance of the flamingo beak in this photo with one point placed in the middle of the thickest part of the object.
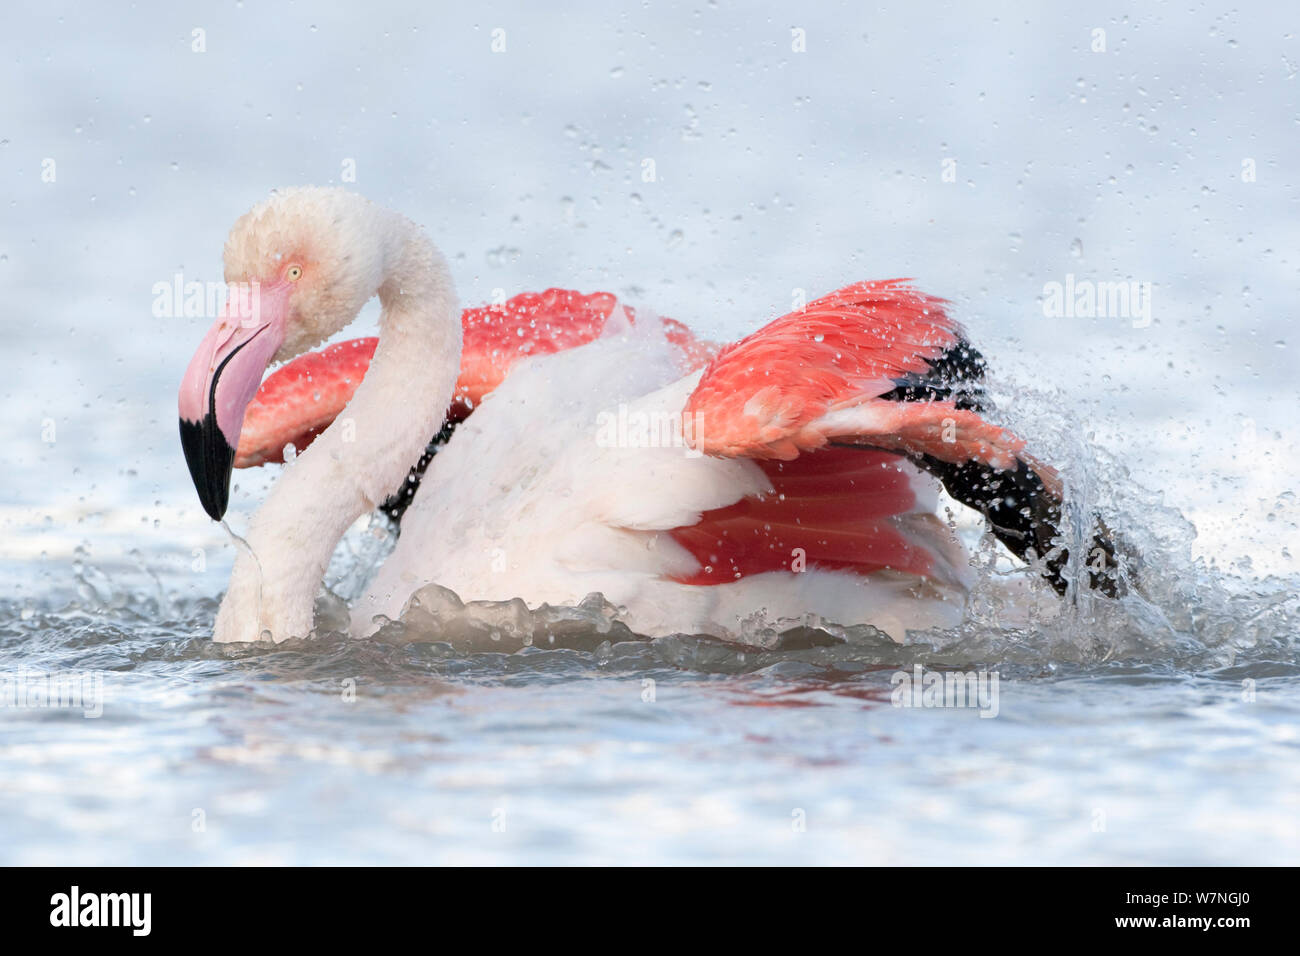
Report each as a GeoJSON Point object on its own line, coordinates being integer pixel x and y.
{"type": "Point", "coordinates": [222, 379]}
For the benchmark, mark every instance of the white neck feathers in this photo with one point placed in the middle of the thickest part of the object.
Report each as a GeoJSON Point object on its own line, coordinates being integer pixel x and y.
{"type": "Point", "coordinates": [362, 457]}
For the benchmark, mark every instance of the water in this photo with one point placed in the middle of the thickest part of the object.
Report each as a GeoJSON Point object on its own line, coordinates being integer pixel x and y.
{"type": "Point", "coordinates": [1163, 729]}
{"type": "Point", "coordinates": [1128, 733]}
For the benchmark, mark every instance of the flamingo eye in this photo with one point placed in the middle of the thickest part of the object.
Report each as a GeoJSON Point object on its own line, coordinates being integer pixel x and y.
{"type": "Point", "coordinates": [293, 273]}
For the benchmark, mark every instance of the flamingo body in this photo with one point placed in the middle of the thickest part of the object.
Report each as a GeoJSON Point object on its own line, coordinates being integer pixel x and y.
{"type": "Point", "coordinates": [524, 502]}
{"type": "Point", "coordinates": [857, 523]}
{"type": "Point", "coordinates": [700, 489]}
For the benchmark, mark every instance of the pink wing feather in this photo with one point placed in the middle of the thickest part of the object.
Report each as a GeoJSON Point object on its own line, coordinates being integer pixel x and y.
{"type": "Point", "coordinates": [760, 396]}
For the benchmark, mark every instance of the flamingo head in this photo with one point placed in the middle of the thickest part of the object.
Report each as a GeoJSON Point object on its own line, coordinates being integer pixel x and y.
{"type": "Point", "coordinates": [298, 266]}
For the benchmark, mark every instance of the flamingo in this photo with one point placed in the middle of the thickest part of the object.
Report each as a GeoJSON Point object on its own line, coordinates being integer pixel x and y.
{"type": "Point", "coordinates": [583, 449]}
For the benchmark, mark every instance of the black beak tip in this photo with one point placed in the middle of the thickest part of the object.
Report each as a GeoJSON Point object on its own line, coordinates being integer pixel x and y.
{"type": "Point", "coordinates": [210, 459]}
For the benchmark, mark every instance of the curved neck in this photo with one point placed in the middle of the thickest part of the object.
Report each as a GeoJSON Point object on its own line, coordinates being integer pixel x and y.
{"type": "Point", "coordinates": [366, 453]}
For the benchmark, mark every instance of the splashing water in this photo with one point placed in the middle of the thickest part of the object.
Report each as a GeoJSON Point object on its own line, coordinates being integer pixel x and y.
{"type": "Point", "coordinates": [401, 748]}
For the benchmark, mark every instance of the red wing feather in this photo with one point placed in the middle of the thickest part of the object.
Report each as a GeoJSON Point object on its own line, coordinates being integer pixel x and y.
{"type": "Point", "coordinates": [299, 400]}
{"type": "Point", "coordinates": [877, 365]}
{"type": "Point", "coordinates": [832, 509]}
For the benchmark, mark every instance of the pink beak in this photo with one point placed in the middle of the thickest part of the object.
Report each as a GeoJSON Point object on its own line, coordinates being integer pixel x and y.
{"type": "Point", "coordinates": [222, 379]}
